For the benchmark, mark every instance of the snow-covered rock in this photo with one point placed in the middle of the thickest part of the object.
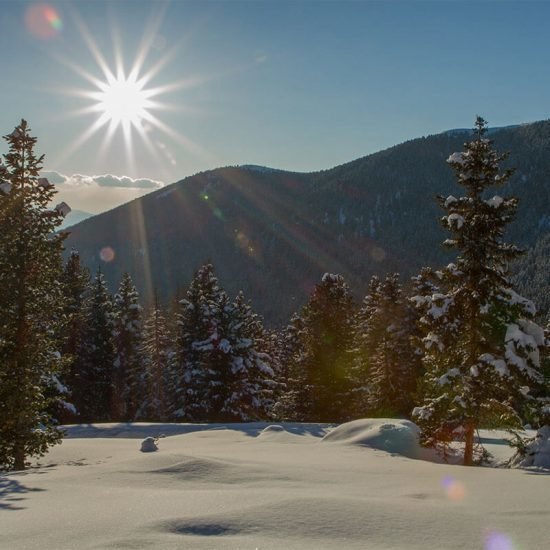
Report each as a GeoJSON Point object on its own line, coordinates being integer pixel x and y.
{"type": "Point", "coordinates": [5, 187]}
{"type": "Point", "coordinates": [149, 445]}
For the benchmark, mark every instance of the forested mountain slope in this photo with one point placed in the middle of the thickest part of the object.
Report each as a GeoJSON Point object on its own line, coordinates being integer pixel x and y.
{"type": "Point", "coordinates": [274, 233]}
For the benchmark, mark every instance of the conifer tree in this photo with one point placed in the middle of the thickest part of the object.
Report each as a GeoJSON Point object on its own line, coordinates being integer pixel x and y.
{"type": "Point", "coordinates": [128, 375]}
{"type": "Point", "coordinates": [194, 356]}
{"type": "Point", "coordinates": [481, 346]}
{"type": "Point", "coordinates": [93, 394]}
{"type": "Point", "coordinates": [30, 303]}
{"type": "Point", "coordinates": [248, 385]}
{"type": "Point", "coordinates": [385, 333]}
{"type": "Point", "coordinates": [324, 356]}
{"type": "Point", "coordinates": [156, 353]}
{"type": "Point", "coordinates": [75, 281]}
{"type": "Point", "coordinates": [293, 391]}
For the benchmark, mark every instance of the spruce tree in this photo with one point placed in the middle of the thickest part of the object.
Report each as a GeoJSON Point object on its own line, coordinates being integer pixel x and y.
{"type": "Point", "coordinates": [30, 303]}
{"type": "Point", "coordinates": [156, 353]}
{"type": "Point", "coordinates": [481, 345]}
{"type": "Point", "coordinates": [191, 369]}
{"type": "Point", "coordinates": [385, 331]}
{"type": "Point", "coordinates": [128, 375]}
{"type": "Point", "coordinates": [93, 395]}
{"type": "Point", "coordinates": [75, 281]}
{"type": "Point", "coordinates": [246, 371]}
{"type": "Point", "coordinates": [324, 357]}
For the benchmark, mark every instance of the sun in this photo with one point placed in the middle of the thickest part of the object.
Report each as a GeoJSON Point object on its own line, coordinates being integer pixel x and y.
{"type": "Point", "coordinates": [122, 96]}
{"type": "Point", "coordinates": [123, 101]}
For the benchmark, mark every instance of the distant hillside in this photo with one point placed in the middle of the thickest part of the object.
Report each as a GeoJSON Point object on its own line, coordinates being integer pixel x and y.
{"type": "Point", "coordinates": [274, 233]}
{"type": "Point", "coordinates": [74, 217]}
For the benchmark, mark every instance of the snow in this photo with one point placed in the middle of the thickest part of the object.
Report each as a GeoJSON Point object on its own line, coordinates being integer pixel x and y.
{"type": "Point", "coordinates": [495, 201]}
{"type": "Point", "coordinates": [148, 445]}
{"type": "Point", "coordinates": [537, 452]}
{"type": "Point", "coordinates": [455, 219]}
{"type": "Point", "coordinates": [457, 158]}
{"type": "Point", "coordinates": [240, 486]}
{"type": "Point", "coordinates": [449, 200]}
{"type": "Point", "coordinates": [63, 208]}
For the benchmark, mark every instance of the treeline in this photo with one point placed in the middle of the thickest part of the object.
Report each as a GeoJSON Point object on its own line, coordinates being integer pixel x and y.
{"type": "Point", "coordinates": [210, 359]}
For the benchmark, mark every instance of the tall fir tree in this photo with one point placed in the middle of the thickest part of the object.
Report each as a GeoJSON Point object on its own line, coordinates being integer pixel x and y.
{"type": "Point", "coordinates": [385, 330]}
{"type": "Point", "coordinates": [246, 368]}
{"type": "Point", "coordinates": [321, 379]}
{"type": "Point", "coordinates": [291, 401]}
{"type": "Point", "coordinates": [191, 367]}
{"type": "Point", "coordinates": [156, 353]}
{"type": "Point", "coordinates": [93, 393]}
{"type": "Point", "coordinates": [75, 281]}
{"type": "Point", "coordinates": [128, 374]}
{"type": "Point", "coordinates": [221, 370]}
{"type": "Point", "coordinates": [30, 303]}
{"type": "Point", "coordinates": [481, 346]}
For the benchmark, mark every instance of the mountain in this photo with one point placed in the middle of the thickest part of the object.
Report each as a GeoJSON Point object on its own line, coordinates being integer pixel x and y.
{"type": "Point", "coordinates": [74, 217]}
{"type": "Point", "coordinates": [274, 233]}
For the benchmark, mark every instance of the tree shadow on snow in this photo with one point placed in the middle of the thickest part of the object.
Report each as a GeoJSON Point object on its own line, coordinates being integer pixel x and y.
{"type": "Point", "coordinates": [12, 491]}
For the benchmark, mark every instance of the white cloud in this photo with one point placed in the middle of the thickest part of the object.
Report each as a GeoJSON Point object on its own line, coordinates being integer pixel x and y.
{"type": "Point", "coordinates": [96, 194]}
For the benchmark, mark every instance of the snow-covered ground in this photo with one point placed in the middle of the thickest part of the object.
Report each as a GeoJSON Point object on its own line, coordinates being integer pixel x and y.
{"type": "Point", "coordinates": [250, 486]}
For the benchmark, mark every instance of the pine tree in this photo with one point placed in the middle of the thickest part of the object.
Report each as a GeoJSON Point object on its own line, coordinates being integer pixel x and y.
{"type": "Point", "coordinates": [323, 358]}
{"type": "Point", "coordinates": [128, 375]}
{"type": "Point", "coordinates": [247, 376]}
{"type": "Point", "coordinates": [362, 388]}
{"type": "Point", "coordinates": [93, 394]}
{"type": "Point", "coordinates": [30, 303]}
{"type": "Point", "coordinates": [156, 353]}
{"type": "Point", "coordinates": [481, 346]}
{"type": "Point", "coordinates": [293, 391]}
{"type": "Point", "coordinates": [191, 369]}
{"type": "Point", "coordinates": [75, 281]}
{"type": "Point", "coordinates": [385, 332]}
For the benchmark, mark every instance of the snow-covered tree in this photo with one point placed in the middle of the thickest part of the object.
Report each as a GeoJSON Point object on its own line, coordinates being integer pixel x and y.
{"type": "Point", "coordinates": [93, 393]}
{"type": "Point", "coordinates": [190, 371]}
{"type": "Point", "coordinates": [293, 390]}
{"type": "Point", "coordinates": [481, 346]}
{"type": "Point", "coordinates": [30, 303]}
{"type": "Point", "coordinates": [221, 367]}
{"type": "Point", "coordinates": [247, 376]}
{"type": "Point", "coordinates": [322, 364]}
{"type": "Point", "coordinates": [128, 375]}
{"type": "Point", "coordinates": [384, 331]}
{"type": "Point", "coordinates": [156, 353]}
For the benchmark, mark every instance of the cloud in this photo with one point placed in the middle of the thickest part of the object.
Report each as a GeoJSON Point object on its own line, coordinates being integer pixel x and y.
{"type": "Point", "coordinates": [96, 194]}
{"type": "Point", "coordinates": [104, 180]}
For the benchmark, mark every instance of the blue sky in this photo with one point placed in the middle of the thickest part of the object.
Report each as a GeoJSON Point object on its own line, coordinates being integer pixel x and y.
{"type": "Point", "coordinates": [295, 85]}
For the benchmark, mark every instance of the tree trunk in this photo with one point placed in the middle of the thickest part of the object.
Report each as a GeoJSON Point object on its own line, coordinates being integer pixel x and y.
{"type": "Point", "coordinates": [469, 447]}
{"type": "Point", "coordinates": [19, 456]}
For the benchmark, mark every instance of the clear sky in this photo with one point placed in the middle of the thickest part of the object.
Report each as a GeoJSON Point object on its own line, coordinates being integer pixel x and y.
{"type": "Point", "coordinates": [298, 85]}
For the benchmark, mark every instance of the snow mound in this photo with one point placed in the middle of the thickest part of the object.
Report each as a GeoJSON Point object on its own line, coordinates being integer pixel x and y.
{"type": "Point", "coordinates": [277, 433]}
{"type": "Point", "coordinates": [385, 434]}
{"type": "Point", "coordinates": [536, 453]}
{"type": "Point", "coordinates": [149, 445]}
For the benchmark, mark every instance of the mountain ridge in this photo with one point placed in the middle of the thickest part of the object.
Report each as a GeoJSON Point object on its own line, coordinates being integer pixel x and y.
{"type": "Point", "coordinates": [273, 232]}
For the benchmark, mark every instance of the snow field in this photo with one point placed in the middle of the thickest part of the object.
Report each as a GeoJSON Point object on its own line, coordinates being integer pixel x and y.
{"type": "Point", "coordinates": [268, 487]}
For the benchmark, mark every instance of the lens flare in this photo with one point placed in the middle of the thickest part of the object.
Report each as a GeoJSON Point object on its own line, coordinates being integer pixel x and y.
{"type": "Point", "coordinates": [43, 21]}
{"type": "Point", "coordinates": [454, 489]}
{"type": "Point", "coordinates": [107, 254]}
{"type": "Point", "coordinates": [498, 541]}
